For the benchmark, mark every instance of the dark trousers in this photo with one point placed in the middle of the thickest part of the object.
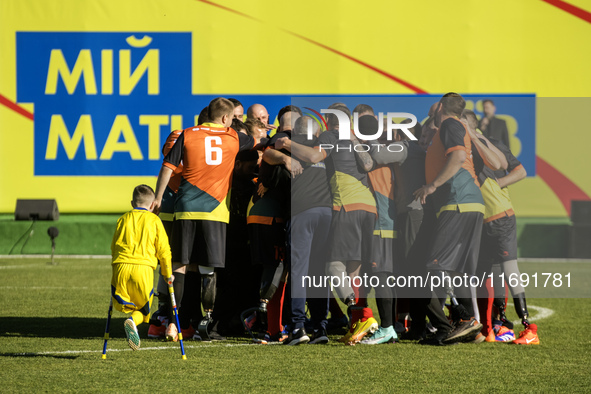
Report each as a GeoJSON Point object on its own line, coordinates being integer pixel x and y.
{"type": "Point", "coordinates": [307, 234]}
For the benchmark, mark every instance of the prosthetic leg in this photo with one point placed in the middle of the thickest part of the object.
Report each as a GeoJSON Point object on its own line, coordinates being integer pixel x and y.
{"type": "Point", "coordinates": [208, 291]}
{"type": "Point", "coordinates": [500, 304]}
{"type": "Point", "coordinates": [345, 291]}
{"type": "Point", "coordinates": [458, 310]}
{"type": "Point", "coordinates": [269, 284]}
{"type": "Point", "coordinates": [449, 289]}
{"type": "Point", "coordinates": [521, 309]}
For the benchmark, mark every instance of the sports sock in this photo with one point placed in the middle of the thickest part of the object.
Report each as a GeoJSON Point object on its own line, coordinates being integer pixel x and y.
{"type": "Point", "coordinates": [137, 317]}
{"type": "Point", "coordinates": [366, 314]}
{"type": "Point", "coordinates": [335, 309]}
{"type": "Point", "coordinates": [360, 295]}
{"type": "Point", "coordinates": [179, 289]}
{"type": "Point", "coordinates": [418, 315]}
{"type": "Point", "coordinates": [385, 311]}
{"type": "Point", "coordinates": [485, 304]}
{"type": "Point", "coordinates": [401, 307]}
{"type": "Point", "coordinates": [189, 301]}
{"type": "Point", "coordinates": [384, 301]}
{"type": "Point", "coordinates": [275, 310]}
{"type": "Point", "coordinates": [359, 313]}
{"type": "Point", "coordinates": [356, 314]}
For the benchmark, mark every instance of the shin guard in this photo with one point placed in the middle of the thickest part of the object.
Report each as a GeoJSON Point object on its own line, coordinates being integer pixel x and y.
{"type": "Point", "coordinates": [179, 288]}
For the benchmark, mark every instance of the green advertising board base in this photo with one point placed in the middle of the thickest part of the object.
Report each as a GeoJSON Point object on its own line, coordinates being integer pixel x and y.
{"type": "Point", "coordinates": [91, 234]}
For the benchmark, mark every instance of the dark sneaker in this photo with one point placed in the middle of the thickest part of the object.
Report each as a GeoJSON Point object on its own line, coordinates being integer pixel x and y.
{"type": "Point", "coordinates": [412, 335]}
{"type": "Point", "coordinates": [263, 338]}
{"type": "Point", "coordinates": [432, 341]}
{"type": "Point", "coordinates": [214, 336]}
{"type": "Point", "coordinates": [464, 330]}
{"type": "Point", "coordinates": [436, 339]}
{"type": "Point", "coordinates": [297, 338]}
{"type": "Point", "coordinates": [319, 337]}
{"type": "Point", "coordinates": [336, 323]}
{"type": "Point", "coordinates": [280, 336]}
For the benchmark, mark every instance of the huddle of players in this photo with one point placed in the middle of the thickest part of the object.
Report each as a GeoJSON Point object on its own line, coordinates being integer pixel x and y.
{"type": "Point", "coordinates": [380, 212]}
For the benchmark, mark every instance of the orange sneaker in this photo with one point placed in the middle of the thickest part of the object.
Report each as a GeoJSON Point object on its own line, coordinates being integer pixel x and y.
{"type": "Point", "coordinates": [529, 336]}
{"type": "Point", "coordinates": [503, 334]}
{"type": "Point", "coordinates": [156, 332]}
{"type": "Point", "coordinates": [188, 333]}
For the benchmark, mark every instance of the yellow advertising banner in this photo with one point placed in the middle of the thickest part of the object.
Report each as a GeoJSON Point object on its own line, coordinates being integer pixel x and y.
{"type": "Point", "coordinates": [90, 89]}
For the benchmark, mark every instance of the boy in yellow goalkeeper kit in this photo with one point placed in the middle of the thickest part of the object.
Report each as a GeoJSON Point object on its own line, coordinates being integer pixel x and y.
{"type": "Point", "coordinates": [139, 243]}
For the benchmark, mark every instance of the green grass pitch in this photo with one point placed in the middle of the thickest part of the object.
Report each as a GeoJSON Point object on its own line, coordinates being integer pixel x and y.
{"type": "Point", "coordinates": [52, 319]}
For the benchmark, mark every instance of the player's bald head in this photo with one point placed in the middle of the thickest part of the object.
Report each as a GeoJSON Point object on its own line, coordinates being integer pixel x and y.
{"type": "Point", "coordinates": [258, 111]}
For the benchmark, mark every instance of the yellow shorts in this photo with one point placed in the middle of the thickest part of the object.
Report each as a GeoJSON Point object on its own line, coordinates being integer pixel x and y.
{"type": "Point", "coordinates": [132, 288]}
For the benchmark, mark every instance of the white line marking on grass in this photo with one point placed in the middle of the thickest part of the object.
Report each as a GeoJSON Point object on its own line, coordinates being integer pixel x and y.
{"type": "Point", "coordinates": [51, 266]}
{"type": "Point", "coordinates": [187, 346]}
{"type": "Point", "coordinates": [47, 288]}
{"type": "Point", "coordinates": [23, 266]}
{"type": "Point", "coordinates": [551, 260]}
{"type": "Point", "coordinates": [542, 313]}
{"type": "Point", "coordinates": [57, 256]}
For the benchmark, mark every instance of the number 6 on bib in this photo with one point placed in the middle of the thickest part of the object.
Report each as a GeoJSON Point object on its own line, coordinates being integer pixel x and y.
{"type": "Point", "coordinates": [210, 158]}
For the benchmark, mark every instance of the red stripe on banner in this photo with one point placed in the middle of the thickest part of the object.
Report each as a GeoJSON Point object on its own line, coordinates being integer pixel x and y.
{"type": "Point", "coordinates": [364, 64]}
{"type": "Point", "coordinates": [230, 10]}
{"type": "Point", "coordinates": [320, 116]}
{"type": "Point", "coordinates": [15, 107]}
{"type": "Point", "coordinates": [353, 59]}
{"type": "Point", "coordinates": [571, 9]}
{"type": "Point", "coordinates": [565, 189]}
